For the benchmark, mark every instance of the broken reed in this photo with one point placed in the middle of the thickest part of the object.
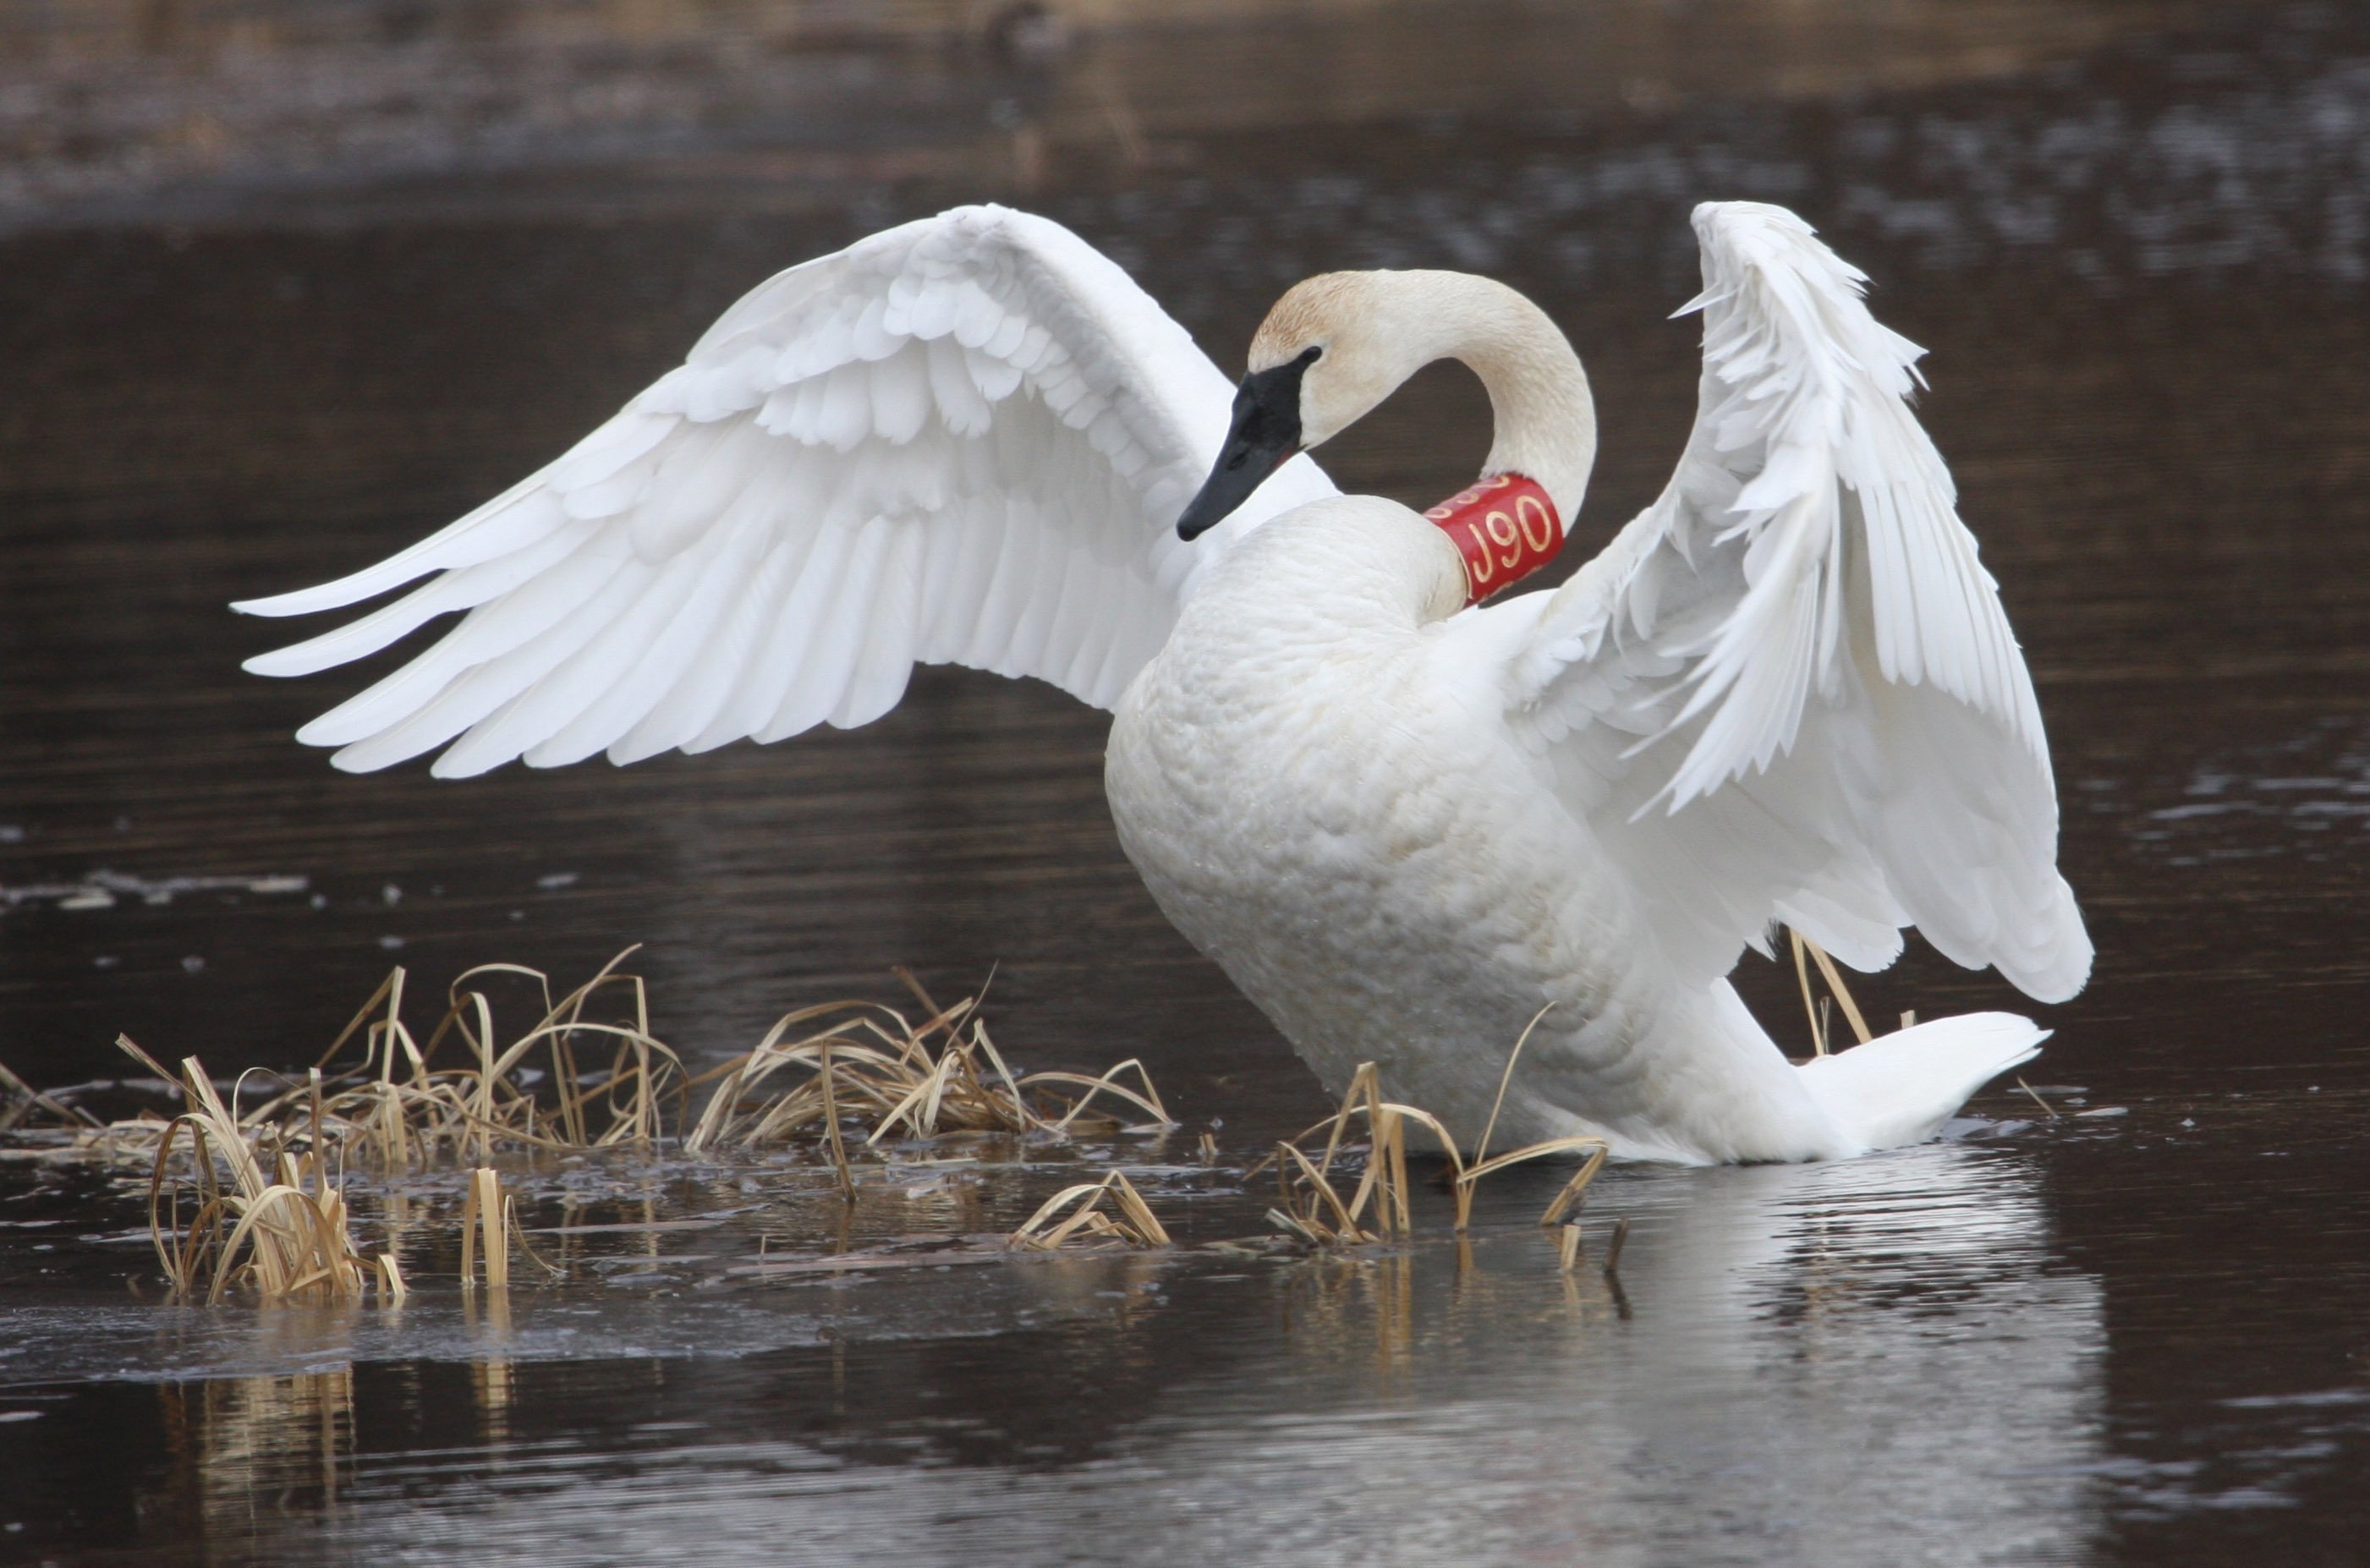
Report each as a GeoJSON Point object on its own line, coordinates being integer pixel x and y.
{"type": "Point", "coordinates": [490, 1214]}
{"type": "Point", "coordinates": [1076, 1215]}
{"type": "Point", "coordinates": [1806, 950]}
{"type": "Point", "coordinates": [27, 1100]}
{"type": "Point", "coordinates": [1311, 1207]}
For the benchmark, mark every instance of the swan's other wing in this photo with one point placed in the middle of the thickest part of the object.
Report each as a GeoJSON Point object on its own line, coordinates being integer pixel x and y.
{"type": "Point", "coordinates": [962, 441]}
{"type": "Point", "coordinates": [1787, 691]}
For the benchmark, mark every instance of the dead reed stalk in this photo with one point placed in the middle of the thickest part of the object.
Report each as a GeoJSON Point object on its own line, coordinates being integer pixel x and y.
{"type": "Point", "coordinates": [487, 1211]}
{"type": "Point", "coordinates": [1312, 1208]}
{"type": "Point", "coordinates": [25, 1100]}
{"type": "Point", "coordinates": [266, 1217]}
{"type": "Point", "coordinates": [1076, 1215]}
{"type": "Point", "coordinates": [871, 1062]}
{"type": "Point", "coordinates": [396, 1109]}
{"type": "Point", "coordinates": [1806, 949]}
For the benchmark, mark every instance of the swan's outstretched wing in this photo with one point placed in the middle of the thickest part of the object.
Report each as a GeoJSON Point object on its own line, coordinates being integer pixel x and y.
{"type": "Point", "coordinates": [962, 441]}
{"type": "Point", "coordinates": [1787, 691]}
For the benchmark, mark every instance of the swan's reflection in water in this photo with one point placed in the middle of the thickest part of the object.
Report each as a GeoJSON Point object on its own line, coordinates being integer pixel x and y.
{"type": "Point", "coordinates": [1870, 1362]}
{"type": "Point", "coordinates": [1875, 1362]}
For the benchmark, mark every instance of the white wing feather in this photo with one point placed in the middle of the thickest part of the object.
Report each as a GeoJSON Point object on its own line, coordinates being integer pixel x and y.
{"type": "Point", "coordinates": [960, 441]}
{"type": "Point", "coordinates": [1787, 691]}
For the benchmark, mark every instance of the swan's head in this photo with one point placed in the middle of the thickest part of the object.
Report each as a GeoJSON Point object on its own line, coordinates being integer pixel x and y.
{"type": "Point", "coordinates": [1333, 347]}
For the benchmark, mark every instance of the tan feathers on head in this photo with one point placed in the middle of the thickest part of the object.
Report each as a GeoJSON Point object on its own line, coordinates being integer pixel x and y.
{"type": "Point", "coordinates": [1376, 329]}
{"type": "Point", "coordinates": [1309, 313]}
{"type": "Point", "coordinates": [1369, 328]}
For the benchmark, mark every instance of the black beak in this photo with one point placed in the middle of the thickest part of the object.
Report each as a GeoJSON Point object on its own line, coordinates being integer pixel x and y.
{"type": "Point", "coordinates": [1265, 435]}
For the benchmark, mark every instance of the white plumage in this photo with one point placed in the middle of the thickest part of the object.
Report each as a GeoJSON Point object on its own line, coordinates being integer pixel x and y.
{"type": "Point", "coordinates": [1843, 732]}
{"type": "Point", "coordinates": [958, 442]}
{"type": "Point", "coordinates": [1785, 692]}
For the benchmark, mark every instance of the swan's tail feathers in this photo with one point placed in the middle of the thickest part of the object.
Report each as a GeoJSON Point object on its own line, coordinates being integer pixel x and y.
{"type": "Point", "coordinates": [1900, 1089]}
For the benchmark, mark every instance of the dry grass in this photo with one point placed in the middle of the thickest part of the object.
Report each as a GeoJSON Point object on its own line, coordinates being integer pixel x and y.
{"type": "Point", "coordinates": [265, 1188]}
{"type": "Point", "coordinates": [396, 1108]}
{"type": "Point", "coordinates": [24, 1103]}
{"type": "Point", "coordinates": [490, 1214]}
{"type": "Point", "coordinates": [1311, 1207]}
{"type": "Point", "coordinates": [403, 1109]}
{"type": "Point", "coordinates": [392, 1288]}
{"type": "Point", "coordinates": [591, 1075]}
{"type": "Point", "coordinates": [865, 1062]}
{"type": "Point", "coordinates": [1075, 1216]}
{"type": "Point", "coordinates": [289, 1238]}
{"type": "Point", "coordinates": [255, 1199]}
{"type": "Point", "coordinates": [266, 1217]}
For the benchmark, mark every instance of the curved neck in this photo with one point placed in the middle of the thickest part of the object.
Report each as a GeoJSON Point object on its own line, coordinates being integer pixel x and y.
{"type": "Point", "coordinates": [1546, 421]}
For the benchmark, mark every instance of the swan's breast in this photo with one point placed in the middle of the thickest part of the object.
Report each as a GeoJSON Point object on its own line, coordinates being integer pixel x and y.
{"type": "Point", "coordinates": [1369, 856]}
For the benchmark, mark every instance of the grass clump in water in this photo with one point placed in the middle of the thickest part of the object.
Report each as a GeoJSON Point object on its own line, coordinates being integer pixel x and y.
{"type": "Point", "coordinates": [574, 1083]}
{"type": "Point", "coordinates": [1311, 1208]}
{"type": "Point", "coordinates": [918, 1080]}
{"type": "Point", "coordinates": [396, 1110]}
{"type": "Point", "coordinates": [255, 1200]}
{"type": "Point", "coordinates": [269, 1216]}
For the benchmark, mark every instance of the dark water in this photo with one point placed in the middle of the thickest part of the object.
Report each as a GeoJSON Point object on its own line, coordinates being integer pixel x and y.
{"type": "Point", "coordinates": [2137, 245]}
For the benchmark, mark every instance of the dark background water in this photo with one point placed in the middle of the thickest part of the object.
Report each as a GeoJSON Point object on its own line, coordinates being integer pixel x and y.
{"type": "Point", "coordinates": [282, 287]}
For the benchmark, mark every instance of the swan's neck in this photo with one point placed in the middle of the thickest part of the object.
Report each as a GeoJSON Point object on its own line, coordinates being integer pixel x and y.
{"type": "Point", "coordinates": [1539, 394]}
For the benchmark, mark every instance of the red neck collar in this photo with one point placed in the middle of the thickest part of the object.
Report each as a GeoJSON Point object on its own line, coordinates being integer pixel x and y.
{"type": "Point", "coordinates": [1505, 526]}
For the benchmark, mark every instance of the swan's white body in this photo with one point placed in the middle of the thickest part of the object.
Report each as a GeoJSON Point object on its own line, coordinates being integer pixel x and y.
{"type": "Point", "coordinates": [1787, 692]}
{"type": "Point", "coordinates": [1330, 802]}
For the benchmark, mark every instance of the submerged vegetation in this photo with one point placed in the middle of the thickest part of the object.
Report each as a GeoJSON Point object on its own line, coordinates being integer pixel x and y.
{"type": "Point", "coordinates": [248, 1180]}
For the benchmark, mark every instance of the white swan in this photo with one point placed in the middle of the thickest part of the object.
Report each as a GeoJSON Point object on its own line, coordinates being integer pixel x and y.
{"type": "Point", "coordinates": [1786, 691]}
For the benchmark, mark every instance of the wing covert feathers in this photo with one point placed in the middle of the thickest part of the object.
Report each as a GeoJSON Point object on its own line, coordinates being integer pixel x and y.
{"type": "Point", "coordinates": [1788, 690]}
{"type": "Point", "coordinates": [960, 441]}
